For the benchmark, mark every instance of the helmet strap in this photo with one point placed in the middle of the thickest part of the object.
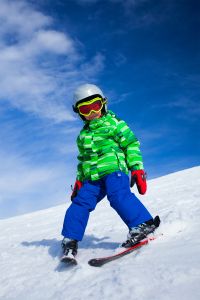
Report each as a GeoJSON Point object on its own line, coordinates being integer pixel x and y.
{"type": "Point", "coordinates": [75, 109]}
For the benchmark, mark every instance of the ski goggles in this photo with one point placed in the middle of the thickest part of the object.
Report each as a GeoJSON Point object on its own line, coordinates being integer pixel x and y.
{"type": "Point", "coordinates": [95, 105]}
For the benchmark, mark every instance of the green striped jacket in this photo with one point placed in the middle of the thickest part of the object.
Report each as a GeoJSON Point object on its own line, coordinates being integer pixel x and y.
{"type": "Point", "coordinates": [107, 145]}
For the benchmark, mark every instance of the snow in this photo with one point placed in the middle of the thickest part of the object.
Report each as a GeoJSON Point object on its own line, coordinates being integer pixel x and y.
{"type": "Point", "coordinates": [167, 268]}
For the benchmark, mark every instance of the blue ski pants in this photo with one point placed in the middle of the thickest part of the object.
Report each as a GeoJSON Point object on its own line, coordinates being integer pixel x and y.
{"type": "Point", "coordinates": [117, 188]}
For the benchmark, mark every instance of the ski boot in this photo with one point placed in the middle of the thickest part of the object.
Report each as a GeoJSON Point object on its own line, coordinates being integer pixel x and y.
{"type": "Point", "coordinates": [140, 232]}
{"type": "Point", "coordinates": [70, 247]}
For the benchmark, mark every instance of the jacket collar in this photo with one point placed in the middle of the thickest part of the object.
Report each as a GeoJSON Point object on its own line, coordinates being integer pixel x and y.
{"type": "Point", "coordinates": [93, 124]}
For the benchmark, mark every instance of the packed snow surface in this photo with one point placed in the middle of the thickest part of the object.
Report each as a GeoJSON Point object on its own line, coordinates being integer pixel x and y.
{"type": "Point", "coordinates": [167, 268]}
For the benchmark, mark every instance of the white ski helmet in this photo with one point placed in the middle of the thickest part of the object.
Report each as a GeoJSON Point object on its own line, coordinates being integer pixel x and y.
{"type": "Point", "coordinates": [86, 92]}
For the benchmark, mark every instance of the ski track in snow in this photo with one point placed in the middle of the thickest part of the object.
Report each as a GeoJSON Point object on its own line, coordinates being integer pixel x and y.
{"type": "Point", "coordinates": [167, 268]}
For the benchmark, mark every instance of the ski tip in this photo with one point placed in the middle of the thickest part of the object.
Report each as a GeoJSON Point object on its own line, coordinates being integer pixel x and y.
{"type": "Point", "coordinates": [95, 262]}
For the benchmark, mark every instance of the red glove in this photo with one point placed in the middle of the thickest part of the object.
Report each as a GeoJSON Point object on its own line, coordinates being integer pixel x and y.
{"type": "Point", "coordinates": [139, 177]}
{"type": "Point", "coordinates": [78, 184]}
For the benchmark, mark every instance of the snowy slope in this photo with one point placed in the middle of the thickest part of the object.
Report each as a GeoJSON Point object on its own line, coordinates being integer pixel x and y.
{"type": "Point", "coordinates": [168, 268]}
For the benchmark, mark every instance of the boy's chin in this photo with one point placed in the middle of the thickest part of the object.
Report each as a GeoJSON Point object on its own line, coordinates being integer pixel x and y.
{"type": "Point", "coordinates": [93, 116]}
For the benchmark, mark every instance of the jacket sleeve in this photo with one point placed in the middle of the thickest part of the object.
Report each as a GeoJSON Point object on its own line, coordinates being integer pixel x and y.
{"type": "Point", "coordinates": [79, 173]}
{"type": "Point", "coordinates": [130, 146]}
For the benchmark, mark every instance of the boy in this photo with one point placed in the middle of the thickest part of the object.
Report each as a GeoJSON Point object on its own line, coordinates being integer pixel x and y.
{"type": "Point", "coordinates": [108, 149]}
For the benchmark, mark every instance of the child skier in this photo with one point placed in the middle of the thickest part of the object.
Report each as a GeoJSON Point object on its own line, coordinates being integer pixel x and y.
{"type": "Point", "coordinates": [108, 149]}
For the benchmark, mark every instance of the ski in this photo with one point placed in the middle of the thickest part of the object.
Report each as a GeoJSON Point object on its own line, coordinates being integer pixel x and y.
{"type": "Point", "coordinates": [69, 261]}
{"type": "Point", "coordinates": [98, 262]}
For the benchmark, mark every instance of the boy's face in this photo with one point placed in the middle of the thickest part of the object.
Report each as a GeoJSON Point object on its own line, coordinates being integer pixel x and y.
{"type": "Point", "coordinates": [93, 115]}
{"type": "Point", "coordinates": [91, 109]}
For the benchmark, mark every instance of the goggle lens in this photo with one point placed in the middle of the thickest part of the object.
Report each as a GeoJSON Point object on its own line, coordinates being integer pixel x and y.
{"type": "Point", "coordinates": [86, 109]}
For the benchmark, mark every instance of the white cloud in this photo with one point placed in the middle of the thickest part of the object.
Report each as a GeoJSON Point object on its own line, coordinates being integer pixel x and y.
{"type": "Point", "coordinates": [25, 186]}
{"type": "Point", "coordinates": [17, 17]}
{"type": "Point", "coordinates": [51, 40]}
{"type": "Point", "coordinates": [39, 68]}
{"type": "Point", "coordinates": [39, 65]}
{"type": "Point", "coordinates": [16, 176]}
{"type": "Point", "coordinates": [96, 64]}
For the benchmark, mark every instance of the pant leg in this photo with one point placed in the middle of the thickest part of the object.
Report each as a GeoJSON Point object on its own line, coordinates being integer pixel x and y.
{"type": "Point", "coordinates": [126, 204]}
{"type": "Point", "coordinates": [77, 214]}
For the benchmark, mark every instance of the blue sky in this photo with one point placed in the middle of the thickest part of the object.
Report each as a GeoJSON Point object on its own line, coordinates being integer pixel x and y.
{"type": "Point", "coordinates": [144, 55]}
